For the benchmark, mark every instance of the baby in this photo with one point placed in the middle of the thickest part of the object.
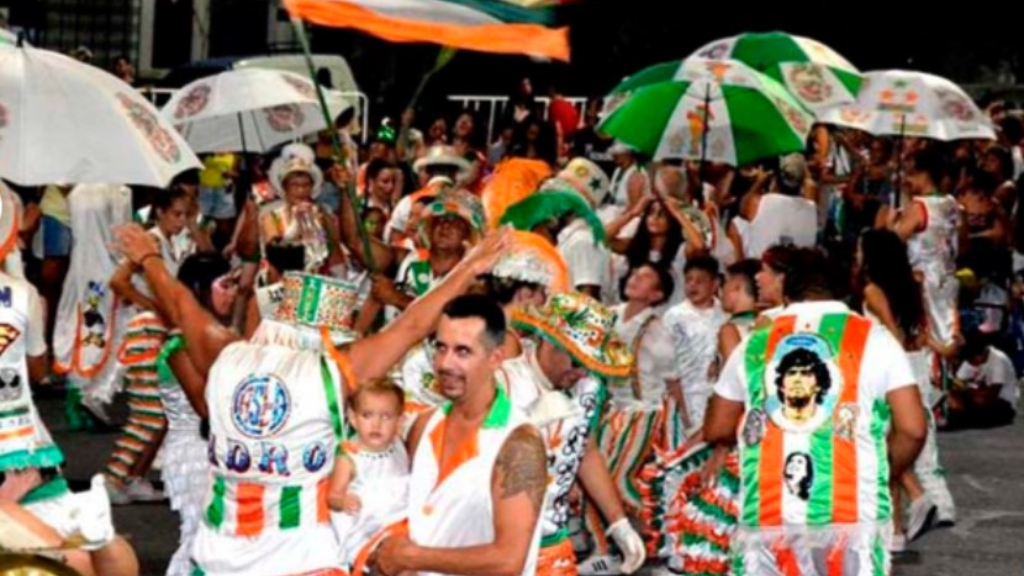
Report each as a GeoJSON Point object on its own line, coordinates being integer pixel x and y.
{"type": "Point", "coordinates": [369, 485]}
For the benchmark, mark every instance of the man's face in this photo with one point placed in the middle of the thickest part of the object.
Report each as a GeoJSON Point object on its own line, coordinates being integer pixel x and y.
{"type": "Point", "coordinates": [558, 366]}
{"type": "Point", "coordinates": [799, 386]}
{"type": "Point", "coordinates": [734, 294]}
{"type": "Point", "coordinates": [769, 284]}
{"type": "Point", "coordinates": [701, 287]}
{"type": "Point", "coordinates": [644, 285]}
{"type": "Point", "coordinates": [448, 232]}
{"type": "Point", "coordinates": [463, 358]}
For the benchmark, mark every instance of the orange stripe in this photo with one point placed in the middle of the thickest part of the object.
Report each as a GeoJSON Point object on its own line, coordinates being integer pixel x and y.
{"type": "Point", "coordinates": [773, 444]}
{"type": "Point", "coordinates": [17, 433]}
{"type": "Point", "coordinates": [837, 558]}
{"type": "Point", "coordinates": [844, 452]}
{"type": "Point", "coordinates": [12, 237]}
{"type": "Point", "coordinates": [323, 512]}
{"type": "Point", "coordinates": [466, 451]}
{"type": "Point", "coordinates": [529, 39]}
{"type": "Point", "coordinates": [341, 359]}
{"type": "Point", "coordinates": [249, 498]}
{"type": "Point", "coordinates": [398, 529]}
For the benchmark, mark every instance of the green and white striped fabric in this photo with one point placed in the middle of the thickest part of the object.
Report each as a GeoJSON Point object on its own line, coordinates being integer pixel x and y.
{"type": "Point", "coordinates": [743, 115]}
{"type": "Point", "coordinates": [816, 74]}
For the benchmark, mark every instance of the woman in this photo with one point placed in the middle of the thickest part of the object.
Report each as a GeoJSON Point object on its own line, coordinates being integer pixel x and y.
{"type": "Point", "coordinates": [666, 237]}
{"type": "Point", "coordinates": [893, 297]}
{"type": "Point", "coordinates": [469, 144]}
{"type": "Point", "coordinates": [380, 192]}
{"type": "Point", "coordinates": [299, 220]}
{"type": "Point", "coordinates": [998, 161]}
{"type": "Point", "coordinates": [182, 393]}
{"type": "Point", "coordinates": [774, 263]}
{"type": "Point", "coordinates": [134, 450]}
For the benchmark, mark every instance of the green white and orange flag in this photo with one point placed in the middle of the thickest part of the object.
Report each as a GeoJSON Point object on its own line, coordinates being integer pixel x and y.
{"type": "Point", "coordinates": [503, 27]}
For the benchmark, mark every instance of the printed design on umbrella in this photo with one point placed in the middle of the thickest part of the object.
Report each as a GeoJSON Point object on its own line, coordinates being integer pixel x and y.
{"type": "Point", "coordinates": [193, 102]}
{"type": "Point", "coordinates": [147, 123]}
{"type": "Point", "coordinates": [285, 118]}
{"type": "Point", "coordinates": [304, 89]}
{"type": "Point", "coordinates": [613, 102]}
{"type": "Point", "coordinates": [854, 115]}
{"type": "Point", "coordinates": [809, 83]}
{"type": "Point", "coordinates": [792, 115]}
{"type": "Point", "coordinates": [696, 124]}
{"type": "Point", "coordinates": [917, 125]}
{"type": "Point", "coordinates": [898, 98]}
{"type": "Point", "coordinates": [955, 105]}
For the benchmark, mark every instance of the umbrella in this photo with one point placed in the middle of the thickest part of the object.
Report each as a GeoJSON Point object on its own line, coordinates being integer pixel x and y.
{"type": "Point", "coordinates": [250, 110]}
{"type": "Point", "coordinates": [65, 121]}
{"type": "Point", "coordinates": [902, 103]}
{"type": "Point", "coordinates": [723, 111]}
{"type": "Point", "coordinates": [816, 74]}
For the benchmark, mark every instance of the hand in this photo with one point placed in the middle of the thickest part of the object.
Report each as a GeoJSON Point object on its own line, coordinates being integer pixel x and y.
{"type": "Point", "coordinates": [629, 543]}
{"type": "Point", "coordinates": [638, 209]}
{"type": "Point", "coordinates": [481, 258]}
{"type": "Point", "coordinates": [18, 483]}
{"type": "Point", "coordinates": [229, 250]}
{"type": "Point", "coordinates": [351, 504]}
{"type": "Point", "coordinates": [135, 243]}
{"type": "Point", "coordinates": [390, 557]}
{"type": "Point", "coordinates": [709, 473]}
{"type": "Point", "coordinates": [761, 175]}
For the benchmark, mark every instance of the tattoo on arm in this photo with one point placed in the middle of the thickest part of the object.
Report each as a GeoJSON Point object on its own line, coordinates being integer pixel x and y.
{"type": "Point", "coordinates": [523, 466]}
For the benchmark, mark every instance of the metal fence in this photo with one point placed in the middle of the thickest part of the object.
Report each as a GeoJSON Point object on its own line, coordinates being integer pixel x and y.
{"type": "Point", "coordinates": [494, 107]}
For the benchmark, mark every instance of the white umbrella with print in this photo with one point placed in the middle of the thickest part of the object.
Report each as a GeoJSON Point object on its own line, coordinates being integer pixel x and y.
{"type": "Point", "coordinates": [65, 121]}
{"type": "Point", "coordinates": [249, 110]}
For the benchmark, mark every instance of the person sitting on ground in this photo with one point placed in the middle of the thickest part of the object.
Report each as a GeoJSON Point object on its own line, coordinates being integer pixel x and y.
{"type": "Point", "coordinates": [988, 392]}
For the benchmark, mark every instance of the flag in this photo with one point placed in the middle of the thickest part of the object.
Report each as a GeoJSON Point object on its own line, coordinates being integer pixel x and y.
{"type": "Point", "coordinates": [481, 25]}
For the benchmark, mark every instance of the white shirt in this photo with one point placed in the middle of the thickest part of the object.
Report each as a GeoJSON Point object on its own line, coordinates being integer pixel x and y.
{"type": "Point", "coordinates": [656, 360]}
{"type": "Point", "coordinates": [884, 363]}
{"type": "Point", "coordinates": [997, 370]}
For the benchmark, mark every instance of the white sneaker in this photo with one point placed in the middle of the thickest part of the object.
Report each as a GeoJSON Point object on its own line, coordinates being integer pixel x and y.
{"type": "Point", "coordinates": [922, 516]}
{"type": "Point", "coordinates": [117, 496]}
{"type": "Point", "coordinates": [600, 566]}
{"type": "Point", "coordinates": [141, 490]}
{"type": "Point", "coordinates": [899, 544]}
{"type": "Point", "coordinates": [91, 512]}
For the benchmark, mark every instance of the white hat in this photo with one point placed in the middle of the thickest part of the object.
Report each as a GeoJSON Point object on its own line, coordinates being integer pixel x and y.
{"type": "Point", "coordinates": [620, 147]}
{"type": "Point", "coordinates": [440, 155]}
{"type": "Point", "coordinates": [295, 158]}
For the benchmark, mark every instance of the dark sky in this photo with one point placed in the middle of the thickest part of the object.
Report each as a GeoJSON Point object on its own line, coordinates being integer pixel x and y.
{"type": "Point", "coordinates": [612, 38]}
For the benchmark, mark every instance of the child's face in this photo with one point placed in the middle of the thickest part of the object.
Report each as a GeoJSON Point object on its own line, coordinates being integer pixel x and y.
{"type": "Point", "coordinates": [376, 420]}
{"type": "Point", "coordinates": [701, 287]}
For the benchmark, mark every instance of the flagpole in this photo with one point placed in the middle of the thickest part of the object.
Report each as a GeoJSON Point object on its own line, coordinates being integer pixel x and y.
{"type": "Point", "coordinates": [339, 152]}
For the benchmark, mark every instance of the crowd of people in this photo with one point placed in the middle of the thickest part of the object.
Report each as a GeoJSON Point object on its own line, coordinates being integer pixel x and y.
{"type": "Point", "coordinates": [546, 354]}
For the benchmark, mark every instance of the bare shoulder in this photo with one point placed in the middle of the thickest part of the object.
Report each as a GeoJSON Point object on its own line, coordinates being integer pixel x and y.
{"type": "Point", "coordinates": [416, 432]}
{"type": "Point", "coordinates": [521, 467]}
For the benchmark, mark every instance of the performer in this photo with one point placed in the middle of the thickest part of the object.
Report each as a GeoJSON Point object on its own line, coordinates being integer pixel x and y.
{"type": "Point", "coordinates": [815, 395]}
{"type": "Point", "coordinates": [267, 508]}
{"type": "Point", "coordinates": [576, 351]}
{"type": "Point", "coordinates": [91, 319]}
{"type": "Point", "coordinates": [135, 449]}
{"type": "Point", "coordinates": [479, 467]}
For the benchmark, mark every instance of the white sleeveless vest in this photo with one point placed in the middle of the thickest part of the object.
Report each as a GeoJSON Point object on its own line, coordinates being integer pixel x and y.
{"type": "Point", "coordinates": [455, 510]}
{"type": "Point", "coordinates": [782, 219]}
{"type": "Point", "coordinates": [24, 440]}
{"type": "Point", "coordinates": [274, 431]}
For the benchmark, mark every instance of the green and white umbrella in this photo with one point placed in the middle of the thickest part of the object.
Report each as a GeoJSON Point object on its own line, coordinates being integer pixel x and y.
{"type": "Point", "coordinates": [723, 111]}
{"type": "Point", "coordinates": [816, 74]}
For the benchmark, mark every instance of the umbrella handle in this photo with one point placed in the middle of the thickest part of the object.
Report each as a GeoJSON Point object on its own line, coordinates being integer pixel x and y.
{"type": "Point", "coordinates": [705, 129]}
{"type": "Point", "coordinates": [339, 152]}
{"type": "Point", "coordinates": [898, 192]}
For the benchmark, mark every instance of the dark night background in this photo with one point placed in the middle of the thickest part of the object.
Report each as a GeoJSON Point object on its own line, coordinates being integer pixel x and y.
{"type": "Point", "coordinates": [611, 38]}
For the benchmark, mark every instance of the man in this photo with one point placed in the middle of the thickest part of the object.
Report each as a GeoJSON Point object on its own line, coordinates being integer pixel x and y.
{"type": "Point", "coordinates": [275, 398]}
{"type": "Point", "coordinates": [441, 168]}
{"type": "Point", "coordinates": [479, 466]}
{"type": "Point", "coordinates": [990, 389]}
{"type": "Point", "coordinates": [568, 368]}
{"type": "Point", "coordinates": [813, 494]}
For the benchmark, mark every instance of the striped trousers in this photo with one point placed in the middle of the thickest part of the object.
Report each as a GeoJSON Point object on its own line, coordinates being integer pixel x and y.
{"type": "Point", "coordinates": [146, 421]}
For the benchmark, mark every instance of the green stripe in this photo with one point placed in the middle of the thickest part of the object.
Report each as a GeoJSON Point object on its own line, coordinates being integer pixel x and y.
{"type": "Point", "coordinates": [750, 456]}
{"type": "Point", "coordinates": [819, 508]}
{"type": "Point", "coordinates": [509, 13]}
{"type": "Point", "coordinates": [291, 508]}
{"type": "Point", "coordinates": [215, 511]}
{"type": "Point", "coordinates": [46, 457]}
{"type": "Point", "coordinates": [879, 558]}
{"type": "Point", "coordinates": [52, 489]}
{"type": "Point", "coordinates": [832, 328]}
{"type": "Point", "coordinates": [879, 427]}
{"type": "Point", "coordinates": [309, 298]}
{"type": "Point", "coordinates": [554, 539]}
{"type": "Point", "coordinates": [14, 412]}
{"type": "Point", "coordinates": [332, 401]}
{"type": "Point", "coordinates": [631, 472]}
{"type": "Point", "coordinates": [749, 108]}
{"type": "Point", "coordinates": [650, 75]}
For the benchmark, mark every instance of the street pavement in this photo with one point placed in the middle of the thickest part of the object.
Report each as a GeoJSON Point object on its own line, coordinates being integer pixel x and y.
{"type": "Point", "coordinates": [985, 469]}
